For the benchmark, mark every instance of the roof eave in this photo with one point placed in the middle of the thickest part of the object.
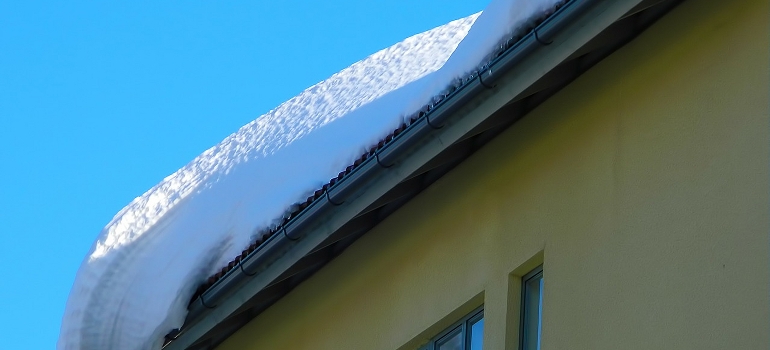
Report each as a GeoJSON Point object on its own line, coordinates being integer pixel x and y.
{"type": "Point", "coordinates": [512, 75]}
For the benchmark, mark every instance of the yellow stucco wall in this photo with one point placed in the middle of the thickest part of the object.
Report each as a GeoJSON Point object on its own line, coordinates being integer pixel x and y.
{"type": "Point", "coordinates": [644, 184]}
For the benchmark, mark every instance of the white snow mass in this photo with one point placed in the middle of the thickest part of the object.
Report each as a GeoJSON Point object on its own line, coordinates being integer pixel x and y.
{"type": "Point", "coordinates": [134, 285]}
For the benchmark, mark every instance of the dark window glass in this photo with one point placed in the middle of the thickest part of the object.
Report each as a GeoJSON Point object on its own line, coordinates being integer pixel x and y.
{"type": "Point", "coordinates": [452, 341]}
{"type": "Point", "coordinates": [466, 334]}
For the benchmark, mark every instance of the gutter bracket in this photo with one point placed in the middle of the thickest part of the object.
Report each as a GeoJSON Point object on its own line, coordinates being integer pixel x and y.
{"type": "Point", "coordinates": [285, 234]}
{"type": "Point", "coordinates": [203, 302]}
{"type": "Point", "coordinates": [427, 119]}
{"type": "Point", "coordinates": [482, 81]}
{"type": "Point", "coordinates": [240, 264]}
{"type": "Point", "coordinates": [537, 38]}
{"type": "Point", "coordinates": [330, 200]}
{"type": "Point", "coordinates": [377, 156]}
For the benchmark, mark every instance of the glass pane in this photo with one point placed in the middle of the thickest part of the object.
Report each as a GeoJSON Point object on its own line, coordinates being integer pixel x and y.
{"type": "Point", "coordinates": [477, 334]}
{"type": "Point", "coordinates": [452, 341]}
{"type": "Point", "coordinates": [532, 322]}
{"type": "Point", "coordinates": [540, 311]}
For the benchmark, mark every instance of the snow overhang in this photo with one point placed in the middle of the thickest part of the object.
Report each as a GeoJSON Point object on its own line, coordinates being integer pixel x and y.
{"type": "Point", "coordinates": [545, 60]}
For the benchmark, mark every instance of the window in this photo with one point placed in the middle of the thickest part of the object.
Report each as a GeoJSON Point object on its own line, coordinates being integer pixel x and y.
{"type": "Point", "coordinates": [531, 310]}
{"type": "Point", "coordinates": [466, 334]}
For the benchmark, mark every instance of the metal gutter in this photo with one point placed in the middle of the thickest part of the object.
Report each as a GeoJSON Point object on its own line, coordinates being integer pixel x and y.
{"type": "Point", "coordinates": [435, 117]}
{"type": "Point", "coordinates": [389, 155]}
{"type": "Point", "coordinates": [564, 31]}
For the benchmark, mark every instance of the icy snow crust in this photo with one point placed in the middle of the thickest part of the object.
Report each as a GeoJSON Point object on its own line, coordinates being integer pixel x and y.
{"type": "Point", "coordinates": [135, 283]}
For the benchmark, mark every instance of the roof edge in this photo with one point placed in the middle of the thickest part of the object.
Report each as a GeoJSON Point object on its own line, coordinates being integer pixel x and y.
{"type": "Point", "coordinates": [574, 25]}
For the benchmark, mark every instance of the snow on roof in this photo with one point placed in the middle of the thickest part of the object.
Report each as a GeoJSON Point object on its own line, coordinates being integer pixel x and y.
{"type": "Point", "coordinates": [136, 282]}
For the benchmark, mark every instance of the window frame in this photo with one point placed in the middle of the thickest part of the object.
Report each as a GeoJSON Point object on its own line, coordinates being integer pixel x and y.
{"type": "Point", "coordinates": [526, 312]}
{"type": "Point", "coordinates": [463, 326]}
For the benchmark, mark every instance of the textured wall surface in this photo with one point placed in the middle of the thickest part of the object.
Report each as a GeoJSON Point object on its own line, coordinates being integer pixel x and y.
{"type": "Point", "coordinates": [642, 187]}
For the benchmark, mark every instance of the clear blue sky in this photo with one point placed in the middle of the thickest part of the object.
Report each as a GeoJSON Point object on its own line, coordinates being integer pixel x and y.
{"type": "Point", "coordinates": [99, 101]}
